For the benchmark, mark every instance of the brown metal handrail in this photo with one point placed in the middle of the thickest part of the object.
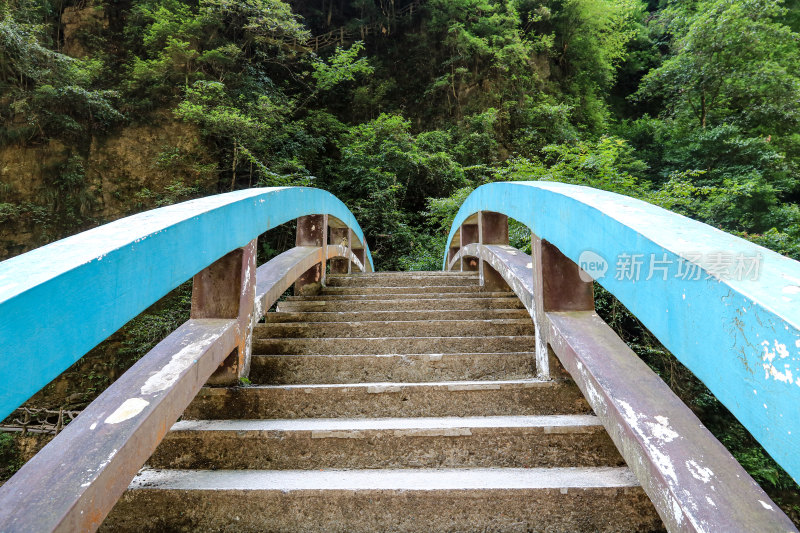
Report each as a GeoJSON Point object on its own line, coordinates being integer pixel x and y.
{"type": "Point", "coordinates": [693, 481]}
{"type": "Point", "coordinates": [74, 481]}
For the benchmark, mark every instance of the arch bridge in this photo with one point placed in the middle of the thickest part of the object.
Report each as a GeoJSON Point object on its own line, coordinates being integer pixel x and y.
{"type": "Point", "coordinates": [726, 308]}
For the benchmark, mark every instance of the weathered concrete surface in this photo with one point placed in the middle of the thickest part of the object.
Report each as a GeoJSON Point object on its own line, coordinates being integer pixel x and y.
{"type": "Point", "coordinates": [398, 412]}
{"type": "Point", "coordinates": [393, 328]}
{"type": "Point", "coordinates": [521, 500]}
{"type": "Point", "coordinates": [413, 289]}
{"type": "Point", "coordinates": [518, 442]}
{"type": "Point", "coordinates": [410, 279]}
{"type": "Point", "coordinates": [125, 266]}
{"type": "Point", "coordinates": [368, 316]}
{"type": "Point", "coordinates": [395, 274]}
{"type": "Point", "coordinates": [422, 303]}
{"type": "Point", "coordinates": [392, 345]}
{"type": "Point", "coordinates": [693, 480]}
{"type": "Point", "coordinates": [365, 400]}
{"type": "Point", "coordinates": [113, 437]}
{"type": "Point", "coordinates": [419, 292]}
{"type": "Point", "coordinates": [726, 328]}
{"type": "Point", "coordinates": [695, 483]}
{"type": "Point", "coordinates": [317, 369]}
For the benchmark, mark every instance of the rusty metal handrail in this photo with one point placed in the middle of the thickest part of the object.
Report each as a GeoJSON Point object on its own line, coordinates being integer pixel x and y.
{"type": "Point", "coordinates": [693, 481]}
{"type": "Point", "coordinates": [729, 310]}
{"type": "Point", "coordinates": [59, 301]}
{"type": "Point", "coordinates": [77, 478]}
{"type": "Point", "coordinates": [74, 481]}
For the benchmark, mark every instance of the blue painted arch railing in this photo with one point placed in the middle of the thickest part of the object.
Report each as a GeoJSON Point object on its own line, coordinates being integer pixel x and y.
{"type": "Point", "coordinates": [739, 334]}
{"type": "Point", "coordinates": [59, 301]}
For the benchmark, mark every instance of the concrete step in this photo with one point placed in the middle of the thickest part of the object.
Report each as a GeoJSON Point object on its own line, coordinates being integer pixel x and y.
{"type": "Point", "coordinates": [380, 316]}
{"type": "Point", "coordinates": [502, 499]}
{"type": "Point", "coordinates": [379, 400]}
{"type": "Point", "coordinates": [453, 442]}
{"type": "Point", "coordinates": [423, 303]}
{"type": "Point", "coordinates": [409, 328]}
{"type": "Point", "coordinates": [410, 280]}
{"type": "Point", "coordinates": [414, 289]}
{"type": "Point", "coordinates": [319, 369]}
{"type": "Point", "coordinates": [397, 274]}
{"type": "Point", "coordinates": [417, 294]}
{"type": "Point", "coordinates": [411, 273]}
{"type": "Point", "coordinates": [392, 345]}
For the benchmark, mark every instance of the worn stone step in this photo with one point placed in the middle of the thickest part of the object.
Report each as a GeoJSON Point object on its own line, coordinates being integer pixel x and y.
{"type": "Point", "coordinates": [429, 500]}
{"type": "Point", "coordinates": [379, 316]}
{"type": "Point", "coordinates": [414, 289]}
{"type": "Point", "coordinates": [395, 274]}
{"type": "Point", "coordinates": [392, 345]}
{"type": "Point", "coordinates": [423, 303]}
{"type": "Point", "coordinates": [318, 369]}
{"type": "Point", "coordinates": [391, 328]}
{"type": "Point", "coordinates": [411, 280]}
{"type": "Point", "coordinates": [449, 442]}
{"type": "Point", "coordinates": [379, 400]}
{"type": "Point", "coordinates": [417, 294]}
{"type": "Point", "coordinates": [400, 273]}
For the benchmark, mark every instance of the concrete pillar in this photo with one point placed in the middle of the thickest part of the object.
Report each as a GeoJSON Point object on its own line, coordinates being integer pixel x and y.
{"type": "Point", "coordinates": [312, 230]}
{"type": "Point", "coordinates": [227, 289]}
{"type": "Point", "coordinates": [451, 253]}
{"type": "Point", "coordinates": [492, 229]}
{"type": "Point", "coordinates": [469, 235]}
{"type": "Point", "coordinates": [340, 236]}
{"type": "Point", "coordinates": [557, 286]}
{"type": "Point", "coordinates": [361, 254]}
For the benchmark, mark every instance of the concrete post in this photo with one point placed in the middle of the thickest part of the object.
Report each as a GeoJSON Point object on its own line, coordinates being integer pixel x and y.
{"type": "Point", "coordinates": [469, 235]}
{"type": "Point", "coordinates": [349, 250]}
{"type": "Point", "coordinates": [340, 237]}
{"type": "Point", "coordinates": [451, 253]}
{"type": "Point", "coordinates": [227, 289]}
{"type": "Point", "coordinates": [312, 230]}
{"type": "Point", "coordinates": [556, 287]}
{"type": "Point", "coordinates": [361, 256]}
{"type": "Point", "coordinates": [492, 229]}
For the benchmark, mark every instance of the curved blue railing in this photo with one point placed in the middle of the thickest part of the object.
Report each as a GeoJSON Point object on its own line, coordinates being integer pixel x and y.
{"type": "Point", "coordinates": [738, 332]}
{"type": "Point", "coordinates": [59, 301]}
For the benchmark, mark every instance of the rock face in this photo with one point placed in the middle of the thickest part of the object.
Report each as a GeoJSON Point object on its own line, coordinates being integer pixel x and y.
{"type": "Point", "coordinates": [389, 402]}
{"type": "Point", "coordinates": [52, 190]}
{"type": "Point", "coordinates": [77, 21]}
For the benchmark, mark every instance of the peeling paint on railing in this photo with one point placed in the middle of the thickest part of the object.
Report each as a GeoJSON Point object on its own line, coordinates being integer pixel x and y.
{"type": "Point", "coordinates": [740, 336]}
{"type": "Point", "coordinates": [59, 301]}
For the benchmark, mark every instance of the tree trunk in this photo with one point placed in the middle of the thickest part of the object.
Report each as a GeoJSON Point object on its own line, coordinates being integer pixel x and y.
{"type": "Point", "coordinates": [703, 109]}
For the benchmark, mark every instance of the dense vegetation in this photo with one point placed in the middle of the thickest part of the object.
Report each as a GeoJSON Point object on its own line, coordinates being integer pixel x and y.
{"type": "Point", "coordinates": [692, 105]}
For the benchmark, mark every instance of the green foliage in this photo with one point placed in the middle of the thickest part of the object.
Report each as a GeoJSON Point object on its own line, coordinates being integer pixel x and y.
{"type": "Point", "coordinates": [142, 333]}
{"type": "Point", "coordinates": [10, 461]}
{"type": "Point", "coordinates": [733, 61]}
{"type": "Point", "coordinates": [442, 211]}
{"type": "Point", "coordinates": [45, 92]}
{"type": "Point", "coordinates": [781, 242]}
{"type": "Point", "coordinates": [173, 193]}
{"type": "Point", "coordinates": [343, 66]}
{"type": "Point", "coordinates": [386, 174]}
{"type": "Point", "coordinates": [607, 163]}
{"type": "Point", "coordinates": [591, 38]}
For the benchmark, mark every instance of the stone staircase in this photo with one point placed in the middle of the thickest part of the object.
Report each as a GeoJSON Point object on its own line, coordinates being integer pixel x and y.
{"type": "Point", "coordinates": [390, 402]}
